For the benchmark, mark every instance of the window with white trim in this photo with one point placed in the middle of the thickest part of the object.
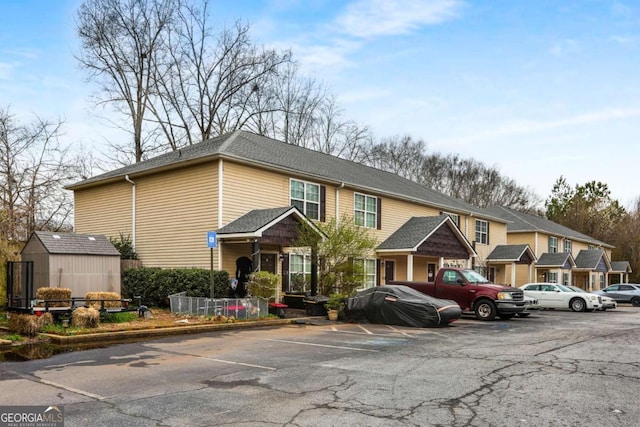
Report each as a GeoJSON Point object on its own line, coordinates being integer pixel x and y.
{"type": "Point", "coordinates": [482, 231]}
{"type": "Point", "coordinates": [306, 197]}
{"type": "Point", "coordinates": [568, 246]}
{"type": "Point", "coordinates": [299, 272]}
{"type": "Point", "coordinates": [368, 268]}
{"type": "Point", "coordinates": [565, 279]}
{"type": "Point", "coordinates": [365, 210]}
{"type": "Point", "coordinates": [454, 217]}
{"type": "Point", "coordinates": [553, 244]}
{"type": "Point", "coordinates": [552, 277]}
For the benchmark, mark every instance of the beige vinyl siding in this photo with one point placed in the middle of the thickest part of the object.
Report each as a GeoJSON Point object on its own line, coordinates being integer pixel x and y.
{"type": "Point", "coordinates": [173, 214]}
{"type": "Point", "coordinates": [497, 236]}
{"type": "Point", "coordinates": [231, 252]}
{"type": "Point", "coordinates": [104, 210]}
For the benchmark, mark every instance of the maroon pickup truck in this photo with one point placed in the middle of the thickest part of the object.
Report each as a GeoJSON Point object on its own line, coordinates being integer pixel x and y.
{"type": "Point", "coordinates": [473, 293]}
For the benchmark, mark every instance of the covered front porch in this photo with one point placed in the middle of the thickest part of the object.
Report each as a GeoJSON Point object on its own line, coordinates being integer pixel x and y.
{"type": "Point", "coordinates": [513, 264]}
{"type": "Point", "coordinates": [420, 247]}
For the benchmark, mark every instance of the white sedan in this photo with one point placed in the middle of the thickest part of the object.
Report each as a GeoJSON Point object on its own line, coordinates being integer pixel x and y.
{"type": "Point", "coordinates": [606, 301]}
{"type": "Point", "coordinates": [554, 295]}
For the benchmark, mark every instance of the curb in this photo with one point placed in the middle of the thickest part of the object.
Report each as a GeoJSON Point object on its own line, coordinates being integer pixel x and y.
{"type": "Point", "coordinates": [114, 337]}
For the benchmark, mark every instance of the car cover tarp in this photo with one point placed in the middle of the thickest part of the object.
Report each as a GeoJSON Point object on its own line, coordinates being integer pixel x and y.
{"type": "Point", "coordinates": [400, 305]}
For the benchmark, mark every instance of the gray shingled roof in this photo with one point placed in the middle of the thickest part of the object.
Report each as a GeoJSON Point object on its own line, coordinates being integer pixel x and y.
{"type": "Point", "coordinates": [524, 222]}
{"type": "Point", "coordinates": [254, 220]}
{"type": "Point", "coordinates": [413, 232]}
{"type": "Point", "coordinates": [620, 266]}
{"type": "Point", "coordinates": [555, 259]}
{"type": "Point", "coordinates": [75, 244]}
{"type": "Point", "coordinates": [260, 150]}
{"type": "Point", "coordinates": [509, 253]}
{"type": "Point", "coordinates": [589, 258]}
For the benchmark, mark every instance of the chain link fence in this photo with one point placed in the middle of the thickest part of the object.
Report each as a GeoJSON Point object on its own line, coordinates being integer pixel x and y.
{"type": "Point", "coordinates": [239, 308]}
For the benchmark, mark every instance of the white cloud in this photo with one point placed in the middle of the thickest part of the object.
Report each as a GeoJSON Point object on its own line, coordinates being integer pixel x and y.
{"type": "Point", "coordinates": [564, 47]}
{"type": "Point", "coordinates": [533, 126]}
{"type": "Point", "coordinates": [370, 18]}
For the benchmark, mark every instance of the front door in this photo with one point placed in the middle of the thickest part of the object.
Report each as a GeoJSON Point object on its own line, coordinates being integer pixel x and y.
{"type": "Point", "coordinates": [268, 262]}
{"type": "Point", "coordinates": [389, 271]}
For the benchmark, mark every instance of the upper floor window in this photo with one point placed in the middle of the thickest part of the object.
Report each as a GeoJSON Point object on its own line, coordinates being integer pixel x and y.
{"type": "Point", "coordinates": [568, 246]}
{"type": "Point", "coordinates": [553, 244]}
{"type": "Point", "coordinates": [365, 210]}
{"type": "Point", "coordinates": [454, 217]}
{"type": "Point", "coordinates": [306, 197]}
{"type": "Point", "coordinates": [482, 231]}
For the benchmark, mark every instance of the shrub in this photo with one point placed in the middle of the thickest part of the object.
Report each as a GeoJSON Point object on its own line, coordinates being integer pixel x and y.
{"type": "Point", "coordinates": [155, 285]}
{"type": "Point", "coordinates": [263, 285]}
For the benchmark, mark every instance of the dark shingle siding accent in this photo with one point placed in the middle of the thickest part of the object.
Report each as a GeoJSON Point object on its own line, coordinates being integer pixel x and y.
{"type": "Point", "coordinates": [76, 244]}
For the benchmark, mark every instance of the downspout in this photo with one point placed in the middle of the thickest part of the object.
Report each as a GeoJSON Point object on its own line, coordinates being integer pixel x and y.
{"type": "Point", "coordinates": [133, 210]}
{"type": "Point", "coordinates": [338, 200]}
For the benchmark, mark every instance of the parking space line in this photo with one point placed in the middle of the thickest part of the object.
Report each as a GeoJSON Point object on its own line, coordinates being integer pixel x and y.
{"type": "Point", "coordinates": [322, 345]}
{"type": "Point", "coordinates": [250, 365]}
{"type": "Point", "coordinates": [365, 329]}
{"type": "Point", "coordinates": [399, 331]}
{"type": "Point", "coordinates": [57, 385]}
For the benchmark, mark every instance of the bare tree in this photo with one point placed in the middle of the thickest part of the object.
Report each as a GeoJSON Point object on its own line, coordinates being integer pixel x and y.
{"type": "Point", "coordinates": [207, 84]}
{"type": "Point", "coordinates": [33, 170]}
{"type": "Point", "coordinates": [119, 40]}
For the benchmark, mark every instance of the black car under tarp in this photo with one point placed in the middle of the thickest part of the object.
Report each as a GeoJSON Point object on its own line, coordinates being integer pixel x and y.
{"type": "Point", "coordinates": [400, 305]}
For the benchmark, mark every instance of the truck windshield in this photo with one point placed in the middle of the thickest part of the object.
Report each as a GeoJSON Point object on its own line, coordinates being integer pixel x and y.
{"type": "Point", "coordinates": [473, 277]}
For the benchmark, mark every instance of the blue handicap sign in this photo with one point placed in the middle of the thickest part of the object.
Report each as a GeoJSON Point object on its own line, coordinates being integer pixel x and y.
{"type": "Point", "coordinates": [212, 239]}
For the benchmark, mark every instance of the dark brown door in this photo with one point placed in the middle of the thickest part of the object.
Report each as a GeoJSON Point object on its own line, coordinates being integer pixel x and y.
{"type": "Point", "coordinates": [431, 272]}
{"type": "Point", "coordinates": [268, 263]}
{"type": "Point", "coordinates": [389, 271]}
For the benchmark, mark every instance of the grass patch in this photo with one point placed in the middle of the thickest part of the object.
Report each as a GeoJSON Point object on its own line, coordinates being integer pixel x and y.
{"type": "Point", "coordinates": [3, 318]}
{"type": "Point", "coordinates": [12, 337]}
{"type": "Point", "coordinates": [121, 317]}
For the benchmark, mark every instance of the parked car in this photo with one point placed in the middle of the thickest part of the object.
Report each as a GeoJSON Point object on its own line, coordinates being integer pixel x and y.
{"type": "Point", "coordinates": [623, 292]}
{"type": "Point", "coordinates": [607, 302]}
{"type": "Point", "coordinates": [531, 304]}
{"type": "Point", "coordinates": [401, 305]}
{"type": "Point", "coordinates": [554, 295]}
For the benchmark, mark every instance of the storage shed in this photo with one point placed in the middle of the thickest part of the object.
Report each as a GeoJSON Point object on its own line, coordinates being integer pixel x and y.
{"type": "Point", "coordinates": [83, 263]}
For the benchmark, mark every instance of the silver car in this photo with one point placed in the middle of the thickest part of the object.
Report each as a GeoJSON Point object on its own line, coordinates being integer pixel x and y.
{"type": "Point", "coordinates": [623, 292]}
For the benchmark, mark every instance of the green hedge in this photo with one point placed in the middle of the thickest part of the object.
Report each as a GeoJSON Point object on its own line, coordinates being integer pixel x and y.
{"type": "Point", "coordinates": [155, 285]}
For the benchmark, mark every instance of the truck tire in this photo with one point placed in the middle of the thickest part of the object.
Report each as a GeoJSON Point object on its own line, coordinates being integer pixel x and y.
{"type": "Point", "coordinates": [577, 304]}
{"type": "Point", "coordinates": [635, 301]}
{"type": "Point", "coordinates": [526, 314]}
{"type": "Point", "coordinates": [485, 310]}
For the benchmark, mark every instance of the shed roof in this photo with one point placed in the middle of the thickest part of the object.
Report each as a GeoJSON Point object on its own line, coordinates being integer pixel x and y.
{"type": "Point", "coordinates": [247, 147]}
{"type": "Point", "coordinates": [75, 244]}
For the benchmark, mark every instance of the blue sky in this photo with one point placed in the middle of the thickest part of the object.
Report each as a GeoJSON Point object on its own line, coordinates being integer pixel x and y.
{"type": "Point", "coordinates": [537, 88]}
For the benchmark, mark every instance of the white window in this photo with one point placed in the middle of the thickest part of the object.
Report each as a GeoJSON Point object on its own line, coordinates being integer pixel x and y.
{"type": "Point", "coordinates": [299, 272]}
{"type": "Point", "coordinates": [306, 197]}
{"type": "Point", "coordinates": [552, 277]}
{"type": "Point", "coordinates": [568, 246]}
{"type": "Point", "coordinates": [553, 244]}
{"type": "Point", "coordinates": [368, 268]}
{"type": "Point", "coordinates": [365, 210]}
{"type": "Point", "coordinates": [565, 279]}
{"type": "Point", "coordinates": [454, 217]}
{"type": "Point", "coordinates": [482, 231]}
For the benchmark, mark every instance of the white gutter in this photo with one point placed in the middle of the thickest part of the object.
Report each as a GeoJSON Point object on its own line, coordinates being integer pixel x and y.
{"type": "Point", "coordinates": [133, 210]}
{"type": "Point", "coordinates": [338, 201]}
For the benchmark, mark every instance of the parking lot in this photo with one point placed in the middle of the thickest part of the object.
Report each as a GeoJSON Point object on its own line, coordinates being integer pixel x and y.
{"type": "Point", "coordinates": [553, 368]}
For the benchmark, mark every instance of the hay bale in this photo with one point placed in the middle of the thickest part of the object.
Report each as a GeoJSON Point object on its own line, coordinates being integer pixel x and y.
{"type": "Point", "coordinates": [29, 324]}
{"type": "Point", "coordinates": [54, 294]}
{"type": "Point", "coordinates": [83, 317]}
{"type": "Point", "coordinates": [94, 299]}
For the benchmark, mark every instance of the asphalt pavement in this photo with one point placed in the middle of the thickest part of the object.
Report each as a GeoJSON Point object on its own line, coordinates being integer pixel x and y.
{"type": "Point", "coordinates": [555, 368]}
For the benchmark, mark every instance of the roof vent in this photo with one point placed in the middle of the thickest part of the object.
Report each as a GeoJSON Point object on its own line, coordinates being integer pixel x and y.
{"type": "Point", "coordinates": [55, 236]}
{"type": "Point", "coordinates": [92, 238]}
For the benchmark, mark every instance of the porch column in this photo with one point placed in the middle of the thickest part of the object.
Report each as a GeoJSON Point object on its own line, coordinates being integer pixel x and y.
{"type": "Point", "coordinates": [255, 255]}
{"type": "Point", "coordinates": [513, 275]}
{"type": "Point", "coordinates": [409, 267]}
{"type": "Point", "coordinates": [314, 272]}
